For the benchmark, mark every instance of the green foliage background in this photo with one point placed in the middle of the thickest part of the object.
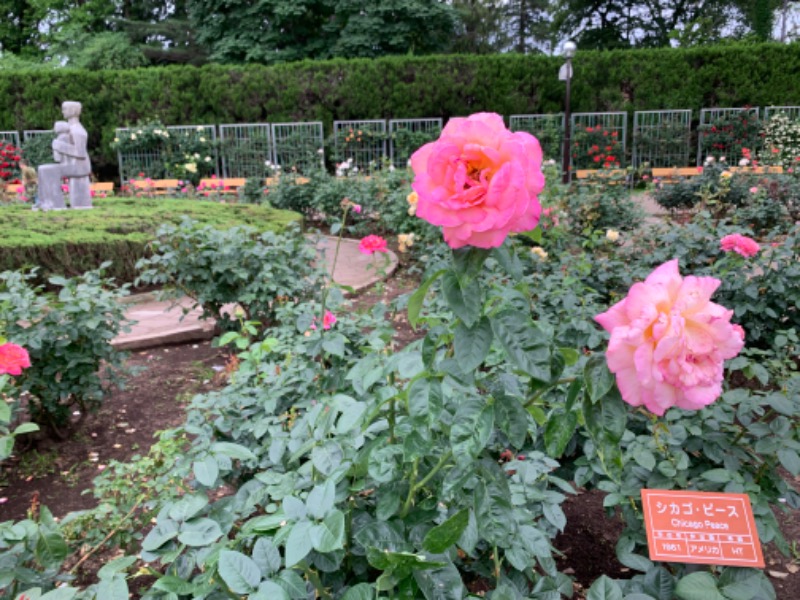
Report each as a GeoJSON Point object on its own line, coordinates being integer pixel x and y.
{"type": "Point", "coordinates": [402, 87]}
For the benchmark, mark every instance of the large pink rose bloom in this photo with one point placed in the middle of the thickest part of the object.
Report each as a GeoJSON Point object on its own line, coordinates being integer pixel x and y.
{"type": "Point", "coordinates": [479, 181]}
{"type": "Point", "coordinates": [13, 359]}
{"type": "Point", "coordinates": [669, 341]}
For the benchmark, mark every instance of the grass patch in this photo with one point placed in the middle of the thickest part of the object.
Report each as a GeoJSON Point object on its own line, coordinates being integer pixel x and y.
{"type": "Point", "coordinates": [70, 242]}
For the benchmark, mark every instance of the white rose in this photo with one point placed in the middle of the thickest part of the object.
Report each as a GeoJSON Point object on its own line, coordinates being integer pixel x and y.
{"type": "Point", "coordinates": [612, 235]}
{"type": "Point", "coordinates": [202, 139]}
{"type": "Point", "coordinates": [133, 136]}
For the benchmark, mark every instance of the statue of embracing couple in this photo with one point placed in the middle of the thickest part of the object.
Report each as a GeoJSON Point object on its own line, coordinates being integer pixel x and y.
{"type": "Point", "coordinates": [72, 162]}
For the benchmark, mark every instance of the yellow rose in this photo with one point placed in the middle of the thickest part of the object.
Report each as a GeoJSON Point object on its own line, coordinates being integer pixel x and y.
{"type": "Point", "coordinates": [612, 235]}
{"type": "Point", "coordinates": [538, 251]}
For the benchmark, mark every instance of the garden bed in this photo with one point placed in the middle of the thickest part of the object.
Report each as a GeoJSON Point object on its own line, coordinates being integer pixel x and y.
{"type": "Point", "coordinates": [70, 242]}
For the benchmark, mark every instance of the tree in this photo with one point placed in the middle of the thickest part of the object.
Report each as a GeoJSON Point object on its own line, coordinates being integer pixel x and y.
{"type": "Point", "coordinates": [271, 31]}
{"type": "Point", "coordinates": [528, 25]}
{"type": "Point", "coordinates": [480, 27]}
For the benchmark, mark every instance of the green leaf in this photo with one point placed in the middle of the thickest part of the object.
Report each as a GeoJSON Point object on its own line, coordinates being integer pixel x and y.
{"type": "Point", "coordinates": [558, 431]}
{"type": "Point", "coordinates": [698, 586]}
{"type": "Point", "coordinates": [512, 419]}
{"type": "Point", "coordinates": [327, 457]}
{"type": "Point", "coordinates": [25, 427]}
{"type": "Point", "coordinates": [200, 532]}
{"type": "Point", "coordinates": [115, 588]}
{"type": "Point", "coordinates": [232, 450]}
{"type": "Point", "coordinates": [790, 461]}
{"type": "Point", "coordinates": [599, 380]}
{"type": "Point", "coordinates": [266, 556]}
{"type": "Point", "coordinates": [299, 544]}
{"type": "Point", "coordinates": [606, 420]}
{"type": "Point", "coordinates": [440, 584]}
{"type": "Point", "coordinates": [472, 344]}
{"type": "Point", "coordinates": [51, 550]}
{"type": "Point", "coordinates": [329, 535]}
{"type": "Point", "coordinates": [362, 591]}
{"type": "Point", "coordinates": [604, 588]}
{"type": "Point", "coordinates": [659, 583]}
{"type": "Point", "coordinates": [441, 537]}
{"type": "Point", "coordinates": [187, 507]}
{"type": "Point", "coordinates": [472, 428]}
{"type": "Point", "coordinates": [240, 573]}
{"type": "Point", "coordinates": [175, 585]}
{"type": "Point", "coordinates": [717, 475]}
{"type": "Point", "coordinates": [463, 297]}
{"type": "Point", "coordinates": [401, 562]}
{"type": "Point", "coordinates": [159, 535]}
{"type": "Point", "coordinates": [527, 347]}
{"type": "Point", "coordinates": [468, 261]}
{"type": "Point", "coordinates": [206, 471]}
{"type": "Point", "coordinates": [64, 593]}
{"type": "Point", "coordinates": [507, 258]}
{"type": "Point", "coordinates": [5, 409]}
{"type": "Point", "coordinates": [269, 590]}
{"type": "Point", "coordinates": [115, 566]}
{"type": "Point", "coordinates": [418, 297]}
{"type": "Point", "coordinates": [644, 458]}
{"type": "Point", "coordinates": [321, 499]}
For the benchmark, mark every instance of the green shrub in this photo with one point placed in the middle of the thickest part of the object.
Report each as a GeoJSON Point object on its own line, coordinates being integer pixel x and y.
{"type": "Point", "coordinates": [71, 242]}
{"type": "Point", "coordinates": [258, 271]}
{"type": "Point", "coordinates": [431, 86]}
{"type": "Point", "coordinates": [68, 338]}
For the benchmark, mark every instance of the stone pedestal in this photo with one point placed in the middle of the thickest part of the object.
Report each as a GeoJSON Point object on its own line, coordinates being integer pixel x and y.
{"type": "Point", "coordinates": [80, 195]}
{"type": "Point", "coordinates": [50, 195]}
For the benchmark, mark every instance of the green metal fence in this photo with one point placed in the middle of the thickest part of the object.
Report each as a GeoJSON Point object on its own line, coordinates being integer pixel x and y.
{"type": "Point", "coordinates": [298, 146]}
{"type": "Point", "coordinates": [598, 140]}
{"type": "Point", "coordinates": [406, 135]}
{"type": "Point", "coordinates": [661, 138]}
{"type": "Point", "coordinates": [548, 129]}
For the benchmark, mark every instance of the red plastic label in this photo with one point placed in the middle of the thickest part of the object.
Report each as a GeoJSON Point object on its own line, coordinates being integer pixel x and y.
{"type": "Point", "coordinates": [701, 527]}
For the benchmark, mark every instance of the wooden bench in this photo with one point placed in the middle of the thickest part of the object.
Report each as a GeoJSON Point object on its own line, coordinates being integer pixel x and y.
{"type": "Point", "coordinates": [216, 185]}
{"type": "Point", "coordinates": [671, 174]}
{"type": "Point", "coordinates": [102, 187]}
{"type": "Point", "coordinates": [600, 173]}
{"type": "Point", "coordinates": [777, 170]}
{"type": "Point", "coordinates": [157, 187]}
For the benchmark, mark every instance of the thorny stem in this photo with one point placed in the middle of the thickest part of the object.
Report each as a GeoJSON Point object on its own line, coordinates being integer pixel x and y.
{"type": "Point", "coordinates": [418, 485]}
{"type": "Point", "coordinates": [108, 537]}
{"type": "Point", "coordinates": [541, 392]}
{"type": "Point", "coordinates": [333, 268]}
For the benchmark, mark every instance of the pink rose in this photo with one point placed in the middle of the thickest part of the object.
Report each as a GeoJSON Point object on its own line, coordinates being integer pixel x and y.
{"type": "Point", "coordinates": [669, 341]}
{"type": "Point", "coordinates": [754, 190]}
{"type": "Point", "coordinates": [741, 244]}
{"type": "Point", "coordinates": [479, 181]}
{"type": "Point", "coordinates": [357, 208]}
{"type": "Point", "coordinates": [13, 359]}
{"type": "Point", "coordinates": [372, 244]}
{"type": "Point", "coordinates": [328, 320]}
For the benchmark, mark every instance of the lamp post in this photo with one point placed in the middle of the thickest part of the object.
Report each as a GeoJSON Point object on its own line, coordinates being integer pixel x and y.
{"type": "Point", "coordinates": [565, 74]}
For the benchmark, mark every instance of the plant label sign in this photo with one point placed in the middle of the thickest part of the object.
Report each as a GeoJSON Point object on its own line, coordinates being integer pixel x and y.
{"type": "Point", "coordinates": [701, 527]}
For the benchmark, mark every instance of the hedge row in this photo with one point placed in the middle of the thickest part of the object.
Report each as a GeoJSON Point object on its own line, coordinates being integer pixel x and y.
{"type": "Point", "coordinates": [403, 87]}
{"type": "Point", "coordinates": [71, 242]}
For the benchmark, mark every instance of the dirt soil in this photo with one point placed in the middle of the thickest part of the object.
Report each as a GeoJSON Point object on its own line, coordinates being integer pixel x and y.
{"type": "Point", "coordinates": [59, 475]}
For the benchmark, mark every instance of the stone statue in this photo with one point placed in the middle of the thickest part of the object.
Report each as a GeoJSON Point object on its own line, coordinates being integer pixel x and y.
{"type": "Point", "coordinates": [69, 150]}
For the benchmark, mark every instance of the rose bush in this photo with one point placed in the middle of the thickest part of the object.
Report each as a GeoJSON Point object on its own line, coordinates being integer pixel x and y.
{"type": "Point", "coordinates": [479, 181]}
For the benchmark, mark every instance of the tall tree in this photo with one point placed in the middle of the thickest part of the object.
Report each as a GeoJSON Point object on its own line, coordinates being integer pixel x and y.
{"type": "Point", "coordinates": [528, 25]}
{"type": "Point", "coordinates": [480, 28]}
{"type": "Point", "coordinates": [271, 31]}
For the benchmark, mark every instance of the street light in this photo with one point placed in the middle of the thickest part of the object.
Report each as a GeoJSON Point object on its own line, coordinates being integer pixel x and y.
{"type": "Point", "coordinates": [565, 74]}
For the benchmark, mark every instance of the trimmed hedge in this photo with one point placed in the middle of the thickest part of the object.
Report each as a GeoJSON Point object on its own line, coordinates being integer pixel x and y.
{"type": "Point", "coordinates": [403, 87]}
{"type": "Point", "coordinates": [71, 242]}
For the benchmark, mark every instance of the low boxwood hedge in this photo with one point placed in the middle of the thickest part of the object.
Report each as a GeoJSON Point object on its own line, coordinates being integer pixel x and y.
{"type": "Point", "coordinates": [70, 242]}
